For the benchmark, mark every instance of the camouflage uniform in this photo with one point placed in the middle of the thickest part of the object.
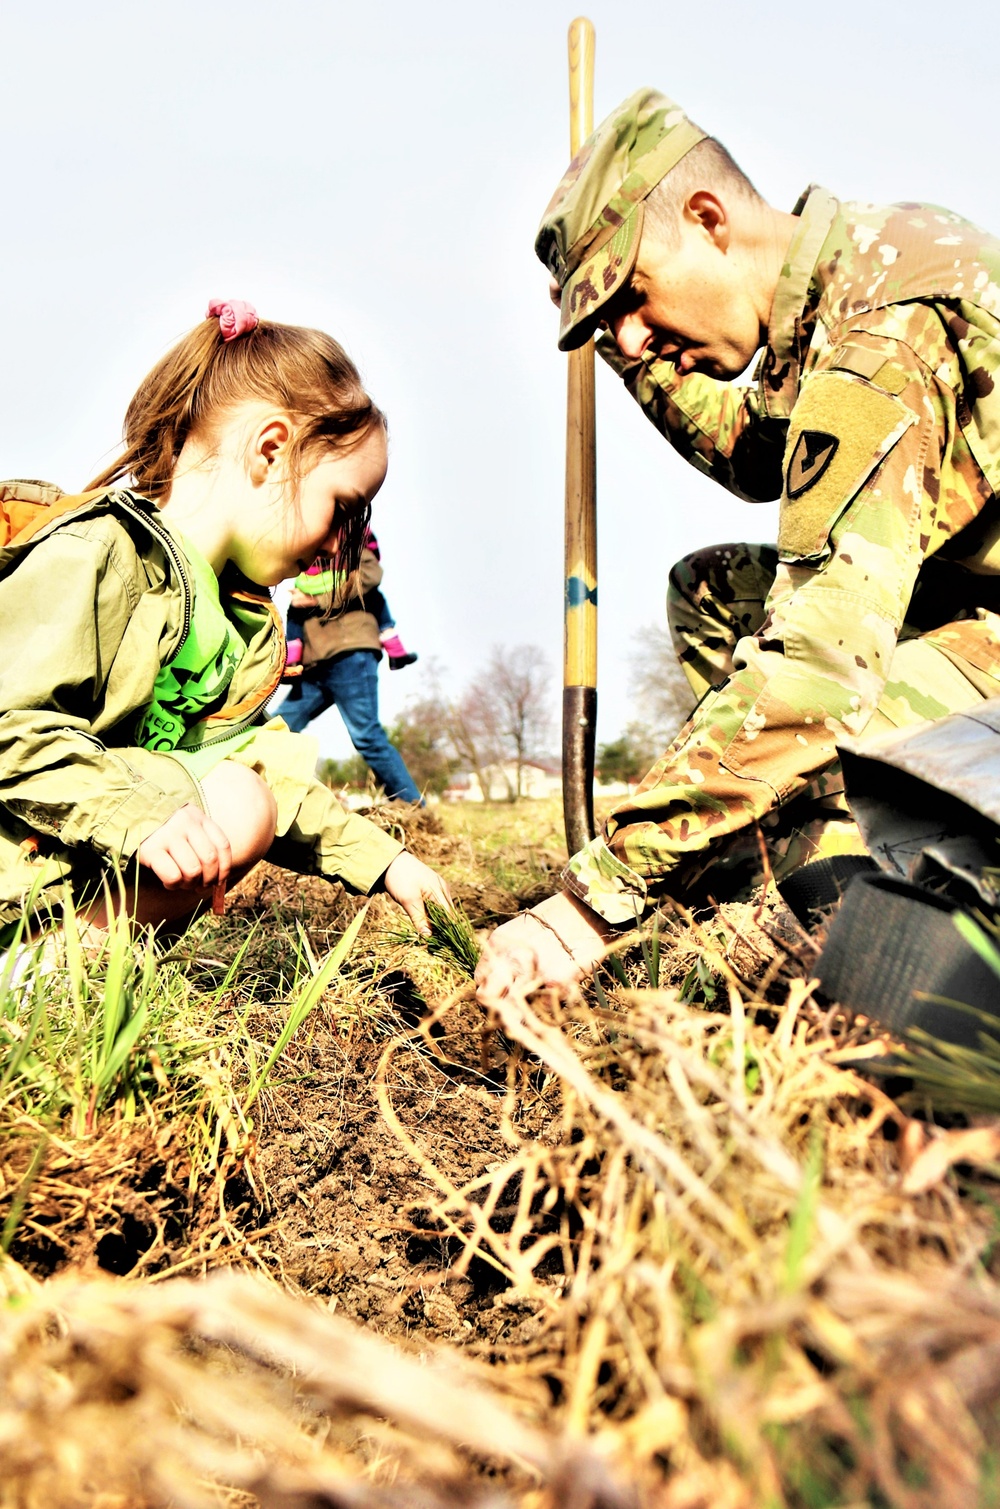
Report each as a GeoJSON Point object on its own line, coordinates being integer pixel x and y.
{"type": "Point", "coordinates": [876, 420]}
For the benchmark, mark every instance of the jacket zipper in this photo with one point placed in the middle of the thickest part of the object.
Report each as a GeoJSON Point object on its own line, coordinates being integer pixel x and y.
{"type": "Point", "coordinates": [177, 560]}
{"type": "Point", "coordinates": [223, 738]}
{"type": "Point", "coordinates": [163, 535]}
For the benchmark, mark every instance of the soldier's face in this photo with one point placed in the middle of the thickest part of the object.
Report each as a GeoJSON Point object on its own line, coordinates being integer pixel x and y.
{"type": "Point", "coordinates": [688, 304]}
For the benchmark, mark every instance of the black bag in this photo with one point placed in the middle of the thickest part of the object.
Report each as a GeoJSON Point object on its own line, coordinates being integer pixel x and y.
{"type": "Point", "coordinates": [927, 801]}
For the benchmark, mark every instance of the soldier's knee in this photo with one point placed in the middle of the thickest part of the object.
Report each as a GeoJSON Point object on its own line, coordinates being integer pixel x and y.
{"type": "Point", "coordinates": [716, 577]}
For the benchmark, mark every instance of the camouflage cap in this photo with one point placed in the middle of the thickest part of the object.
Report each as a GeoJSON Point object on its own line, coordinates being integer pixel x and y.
{"type": "Point", "coordinates": [589, 235]}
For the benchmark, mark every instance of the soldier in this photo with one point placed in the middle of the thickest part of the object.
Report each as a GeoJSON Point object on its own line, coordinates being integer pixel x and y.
{"type": "Point", "coordinates": [873, 416]}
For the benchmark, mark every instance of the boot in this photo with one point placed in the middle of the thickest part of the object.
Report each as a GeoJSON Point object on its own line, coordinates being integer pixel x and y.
{"type": "Point", "coordinates": [399, 655]}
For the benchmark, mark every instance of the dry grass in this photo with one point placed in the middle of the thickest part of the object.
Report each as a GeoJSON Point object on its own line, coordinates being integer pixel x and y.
{"type": "Point", "coordinates": [715, 1268]}
{"type": "Point", "coordinates": [726, 1274]}
{"type": "Point", "coordinates": [192, 1392]}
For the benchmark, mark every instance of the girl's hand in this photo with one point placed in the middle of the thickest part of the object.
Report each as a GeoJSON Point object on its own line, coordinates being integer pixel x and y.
{"type": "Point", "coordinates": [408, 880]}
{"type": "Point", "coordinates": [556, 944]}
{"type": "Point", "coordinates": [188, 852]}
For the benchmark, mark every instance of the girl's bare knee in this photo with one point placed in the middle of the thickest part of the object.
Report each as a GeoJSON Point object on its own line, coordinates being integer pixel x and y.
{"type": "Point", "coordinates": [244, 807]}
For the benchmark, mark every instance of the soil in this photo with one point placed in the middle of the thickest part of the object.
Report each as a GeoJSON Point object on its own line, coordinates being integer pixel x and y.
{"type": "Point", "coordinates": [352, 1202]}
{"type": "Point", "coordinates": [354, 1226]}
{"type": "Point", "coordinates": [329, 1200]}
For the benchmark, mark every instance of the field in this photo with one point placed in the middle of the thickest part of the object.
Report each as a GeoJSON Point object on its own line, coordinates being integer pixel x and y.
{"type": "Point", "coordinates": [285, 1222]}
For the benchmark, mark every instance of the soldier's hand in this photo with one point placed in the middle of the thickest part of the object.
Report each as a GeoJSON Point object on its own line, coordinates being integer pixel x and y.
{"type": "Point", "coordinates": [556, 944]}
{"type": "Point", "coordinates": [410, 882]}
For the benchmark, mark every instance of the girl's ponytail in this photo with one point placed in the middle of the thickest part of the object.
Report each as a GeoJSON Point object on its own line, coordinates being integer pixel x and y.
{"type": "Point", "coordinates": [162, 413]}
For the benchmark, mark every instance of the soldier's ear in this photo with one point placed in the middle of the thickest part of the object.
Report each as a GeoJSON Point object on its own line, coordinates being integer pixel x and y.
{"type": "Point", "coordinates": [705, 209]}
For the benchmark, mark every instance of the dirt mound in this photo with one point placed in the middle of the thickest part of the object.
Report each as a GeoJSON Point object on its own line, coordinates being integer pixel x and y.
{"type": "Point", "coordinates": [664, 1215]}
{"type": "Point", "coordinates": [119, 1202]}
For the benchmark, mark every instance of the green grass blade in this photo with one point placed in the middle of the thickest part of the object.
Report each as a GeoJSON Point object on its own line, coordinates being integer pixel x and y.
{"type": "Point", "coordinates": [21, 1194]}
{"type": "Point", "coordinates": [977, 939]}
{"type": "Point", "coordinates": [116, 1001]}
{"type": "Point", "coordinates": [11, 959]}
{"type": "Point", "coordinates": [23, 1048]}
{"type": "Point", "coordinates": [617, 968]}
{"type": "Point", "coordinates": [647, 958]}
{"type": "Point", "coordinates": [76, 966]}
{"type": "Point", "coordinates": [654, 955]}
{"type": "Point", "coordinates": [306, 948]}
{"type": "Point", "coordinates": [800, 1227]}
{"type": "Point", "coordinates": [301, 1008]}
{"type": "Point", "coordinates": [115, 1061]}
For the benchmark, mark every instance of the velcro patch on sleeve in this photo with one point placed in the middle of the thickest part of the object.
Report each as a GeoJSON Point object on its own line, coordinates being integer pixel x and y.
{"type": "Point", "coordinates": [862, 360]}
{"type": "Point", "coordinates": [841, 431]}
{"type": "Point", "coordinates": [874, 365]}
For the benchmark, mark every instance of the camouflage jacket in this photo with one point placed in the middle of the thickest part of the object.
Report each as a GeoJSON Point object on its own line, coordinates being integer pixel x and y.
{"type": "Point", "coordinates": [875, 417]}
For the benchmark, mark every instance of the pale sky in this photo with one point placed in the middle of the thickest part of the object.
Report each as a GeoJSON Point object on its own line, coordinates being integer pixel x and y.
{"type": "Point", "coordinates": [378, 170]}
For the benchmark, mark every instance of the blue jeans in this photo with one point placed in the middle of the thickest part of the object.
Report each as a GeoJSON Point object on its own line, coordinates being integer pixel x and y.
{"type": "Point", "coordinates": [351, 682]}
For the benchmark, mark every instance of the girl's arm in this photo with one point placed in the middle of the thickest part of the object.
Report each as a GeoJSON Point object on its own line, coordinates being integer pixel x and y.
{"type": "Point", "coordinates": [325, 839]}
{"type": "Point", "coordinates": [76, 648]}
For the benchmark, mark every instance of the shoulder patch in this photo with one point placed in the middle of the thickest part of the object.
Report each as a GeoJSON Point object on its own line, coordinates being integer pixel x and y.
{"type": "Point", "coordinates": [814, 450]}
{"type": "Point", "coordinates": [841, 431]}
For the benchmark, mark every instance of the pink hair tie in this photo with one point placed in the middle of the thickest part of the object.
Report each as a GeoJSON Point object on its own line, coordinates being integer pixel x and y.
{"type": "Point", "coordinates": [235, 316]}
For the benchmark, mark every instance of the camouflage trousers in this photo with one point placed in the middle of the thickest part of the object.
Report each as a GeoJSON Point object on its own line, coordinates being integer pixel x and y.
{"type": "Point", "coordinates": [718, 595]}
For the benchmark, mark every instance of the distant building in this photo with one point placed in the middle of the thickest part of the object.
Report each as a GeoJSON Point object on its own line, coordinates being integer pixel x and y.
{"type": "Point", "coordinates": [538, 780]}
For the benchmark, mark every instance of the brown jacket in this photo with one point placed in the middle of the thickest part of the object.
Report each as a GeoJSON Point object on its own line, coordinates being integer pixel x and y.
{"type": "Point", "coordinates": [350, 627]}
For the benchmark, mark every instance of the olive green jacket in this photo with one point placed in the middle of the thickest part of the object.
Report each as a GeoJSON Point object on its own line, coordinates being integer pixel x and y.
{"type": "Point", "coordinates": [92, 604]}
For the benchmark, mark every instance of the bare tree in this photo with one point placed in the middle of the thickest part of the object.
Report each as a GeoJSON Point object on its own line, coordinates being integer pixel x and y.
{"type": "Point", "coordinates": [474, 734]}
{"type": "Point", "coordinates": [518, 681]}
{"type": "Point", "coordinates": [503, 717]}
{"type": "Point", "coordinates": [658, 684]}
{"type": "Point", "coordinates": [422, 734]}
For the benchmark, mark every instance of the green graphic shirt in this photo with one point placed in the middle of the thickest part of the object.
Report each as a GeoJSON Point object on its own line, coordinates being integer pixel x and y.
{"type": "Point", "coordinates": [189, 686]}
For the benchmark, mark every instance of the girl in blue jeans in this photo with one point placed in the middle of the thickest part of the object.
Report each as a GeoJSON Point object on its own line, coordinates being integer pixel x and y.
{"type": "Point", "coordinates": [340, 655]}
{"type": "Point", "coordinates": [319, 580]}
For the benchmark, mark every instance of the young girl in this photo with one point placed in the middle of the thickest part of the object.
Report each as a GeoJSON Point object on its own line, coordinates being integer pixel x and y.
{"type": "Point", "coordinates": [134, 729]}
{"type": "Point", "coordinates": [318, 582]}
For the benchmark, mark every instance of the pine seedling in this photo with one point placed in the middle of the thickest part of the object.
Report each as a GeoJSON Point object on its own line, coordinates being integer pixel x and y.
{"type": "Point", "coordinates": [451, 937]}
{"type": "Point", "coordinates": [977, 938]}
